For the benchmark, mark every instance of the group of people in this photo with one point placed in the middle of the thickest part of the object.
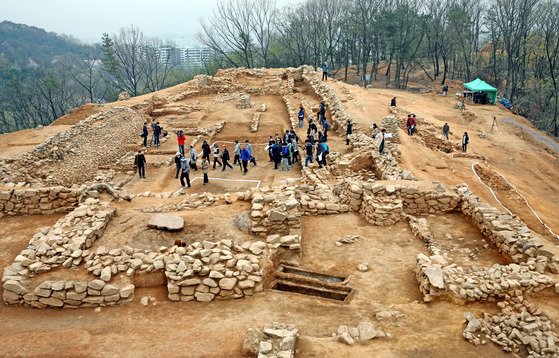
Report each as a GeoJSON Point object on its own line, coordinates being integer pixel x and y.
{"type": "Point", "coordinates": [156, 131]}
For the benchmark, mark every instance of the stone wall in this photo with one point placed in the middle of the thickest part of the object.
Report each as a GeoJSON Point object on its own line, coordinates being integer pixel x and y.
{"type": "Point", "coordinates": [275, 212]}
{"type": "Point", "coordinates": [437, 278]}
{"type": "Point", "coordinates": [205, 271]}
{"type": "Point", "coordinates": [67, 294]}
{"type": "Point", "coordinates": [510, 235]}
{"type": "Point", "coordinates": [384, 203]}
{"type": "Point", "coordinates": [42, 201]}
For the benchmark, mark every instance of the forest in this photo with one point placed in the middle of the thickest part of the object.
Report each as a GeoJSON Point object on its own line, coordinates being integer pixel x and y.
{"type": "Point", "coordinates": [511, 44]}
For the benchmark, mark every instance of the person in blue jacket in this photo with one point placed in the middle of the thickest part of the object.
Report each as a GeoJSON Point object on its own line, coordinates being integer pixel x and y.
{"type": "Point", "coordinates": [245, 157]}
{"type": "Point", "coordinates": [324, 72]}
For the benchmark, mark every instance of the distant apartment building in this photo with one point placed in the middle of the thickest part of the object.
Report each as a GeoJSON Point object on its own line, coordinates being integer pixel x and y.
{"type": "Point", "coordinates": [168, 54]}
{"type": "Point", "coordinates": [195, 56]}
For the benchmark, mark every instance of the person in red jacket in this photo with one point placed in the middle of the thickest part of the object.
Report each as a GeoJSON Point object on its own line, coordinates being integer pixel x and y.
{"type": "Point", "coordinates": [410, 124]}
{"type": "Point", "coordinates": [181, 138]}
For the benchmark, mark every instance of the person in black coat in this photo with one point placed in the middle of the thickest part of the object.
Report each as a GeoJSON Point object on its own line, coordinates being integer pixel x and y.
{"type": "Point", "coordinates": [348, 131]}
{"type": "Point", "coordinates": [276, 153]}
{"type": "Point", "coordinates": [206, 150]}
{"type": "Point", "coordinates": [393, 102]}
{"type": "Point", "coordinates": [140, 163]}
{"type": "Point", "coordinates": [225, 157]}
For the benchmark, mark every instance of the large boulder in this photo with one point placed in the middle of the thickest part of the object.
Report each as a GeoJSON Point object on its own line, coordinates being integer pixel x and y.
{"type": "Point", "coordinates": [166, 222]}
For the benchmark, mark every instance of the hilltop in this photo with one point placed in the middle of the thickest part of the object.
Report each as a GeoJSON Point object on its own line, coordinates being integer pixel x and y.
{"type": "Point", "coordinates": [375, 254]}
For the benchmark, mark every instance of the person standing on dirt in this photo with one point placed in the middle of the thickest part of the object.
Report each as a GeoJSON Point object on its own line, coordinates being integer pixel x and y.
{"type": "Point", "coordinates": [206, 150]}
{"type": "Point", "coordinates": [319, 150]}
{"type": "Point", "coordinates": [382, 139]}
{"type": "Point", "coordinates": [156, 135]}
{"type": "Point", "coordinates": [245, 158]}
{"type": "Point", "coordinates": [320, 137]}
{"type": "Point", "coordinates": [140, 163]}
{"type": "Point", "coordinates": [237, 153]}
{"type": "Point", "coordinates": [446, 130]}
{"type": "Point", "coordinates": [248, 147]}
{"type": "Point", "coordinates": [445, 89]}
{"type": "Point", "coordinates": [321, 112]}
{"type": "Point", "coordinates": [284, 157]}
{"type": "Point", "coordinates": [410, 124]}
{"type": "Point", "coordinates": [270, 145]}
{"type": "Point", "coordinates": [326, 128]}
{"type": "Point", "coordinates": [178, 157]}
{"type": "Point", "coordinates": [308, 152]}
{"type": "Point", "coordinates": [325, 152]}
{"type": "Point", "coordinates": [301, 116]}
{"type": "Point", "coordinates": [393, 102]}
{"type": "Point", "coordinates": [205, 165]}
{"type": "Point", "coordinates": [295, 147]}
{"type": "Point", "coordinates": [216, 155]}
{"type": "Point", "coordinates": [348, 131]}
{"type": "Point", "coordinates": [276, 153]}
{"type": "Point", "coordinates": [290, 151]}
{"type": "Point", "coordinates": [181, 138]}
{"type": "Point", "coordinates": [325, 71]}
{"type": "Point", "coordinates": [193, 158]}
{"type": "Point", "coordinates": [225, 157]}
{"type": "Point", "coordinates": [465, 140]}
{"type": "Point", "coordinates": [185, 172]}
{"type": "Point", "coordinates": [145, 134]}
{"type": "Point", "coordinates": [313, 129]}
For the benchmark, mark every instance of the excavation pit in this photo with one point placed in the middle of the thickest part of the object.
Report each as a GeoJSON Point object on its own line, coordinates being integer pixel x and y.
{"type": "Point", "coordinates": [308, 290]}
{"type": "Point", "coordinates": [310, 283]}
{"type": "Point", "coordinates": [312, 274]}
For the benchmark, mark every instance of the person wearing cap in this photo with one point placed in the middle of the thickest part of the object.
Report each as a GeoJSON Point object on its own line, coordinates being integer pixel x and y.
{"type": "Point", "coordinates": [140, 162]}
{"type": "Point", "coordinates": [145, 134]}
{"type": "Point", "coordinates": [225, 157]}
{"type": "Point", "coordinates": [178, 157]}
{"type": "Point", "coordinates": [193, 158]}
{"type": "Point", "coordinates": [216, 155]}
{"type": "Point", "coordinates": [185, 172]}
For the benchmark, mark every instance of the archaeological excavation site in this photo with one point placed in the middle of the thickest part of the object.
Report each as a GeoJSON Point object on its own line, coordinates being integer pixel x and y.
{"type": "Point", "coordinates": [421, 250]}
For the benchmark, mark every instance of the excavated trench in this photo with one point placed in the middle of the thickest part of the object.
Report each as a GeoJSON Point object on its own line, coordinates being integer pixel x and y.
{"type": "Point", "coordinates": [311, 283]}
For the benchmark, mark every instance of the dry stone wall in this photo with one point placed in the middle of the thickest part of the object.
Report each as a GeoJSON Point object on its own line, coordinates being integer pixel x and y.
{"type": "Point", "coordinates": [275, 212]}
{"type": "Point", "coordinates": [437, 278]}
{"type": "Point", "coordinates": [43, 201]}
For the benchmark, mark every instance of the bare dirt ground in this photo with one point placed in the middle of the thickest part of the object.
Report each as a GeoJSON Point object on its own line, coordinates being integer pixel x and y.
{"type": "Point", "coordinates": [217, 329]}
{"type": "Point", "coordinates": [506, 150]}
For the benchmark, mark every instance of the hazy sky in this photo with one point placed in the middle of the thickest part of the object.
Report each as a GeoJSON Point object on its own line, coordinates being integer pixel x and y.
{"type": "Point", "coordinates": [87, 20]}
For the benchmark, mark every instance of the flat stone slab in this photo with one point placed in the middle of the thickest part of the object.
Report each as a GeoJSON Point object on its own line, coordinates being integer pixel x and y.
{"type": "Point", "coordinates": [166, 222]}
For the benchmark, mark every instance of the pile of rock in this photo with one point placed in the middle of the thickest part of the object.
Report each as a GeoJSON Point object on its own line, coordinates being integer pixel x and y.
{"type": "Point", "coordinates": [75, 155]}
{"type": "Point", "coordinates": [254, 122]}
{"type": "Point", "coordinates": [275, 212]}
{"type": "Point", "coordinates": [436, 277]}
{"type": "Point", "coordinates": [244, 101]}
{"type": "Point", "coordinates": [274, 341]}
{"type": "Point", "coordinates": [390, 123]}
{"type": "Point", "coordinates": [350, 239]}
{"type": "Point", "coordinates": [43, 201]}
{"type": "Point", "coordinates": [364, 331]}
{"type": "Point", "coordinates": [291, 242]}
{"type": "Point", "coordinates": [520, 326]}
{"type": "Point", "coordinates": [319, 200]}
{"type": "Point", "coordinates": [420, 230]}
{"type": "Point", "coordinates": [205, 271]}
{"type": "Point", "coordinates": [123, 96]}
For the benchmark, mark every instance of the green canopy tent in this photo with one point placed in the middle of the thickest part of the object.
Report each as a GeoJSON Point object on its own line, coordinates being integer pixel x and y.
{"type": "Point", "coordinates": [480, 85]}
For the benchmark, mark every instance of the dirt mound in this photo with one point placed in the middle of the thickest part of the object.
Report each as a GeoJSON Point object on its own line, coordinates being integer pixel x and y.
{"type": "Point", "coordinates": [78, 114]}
